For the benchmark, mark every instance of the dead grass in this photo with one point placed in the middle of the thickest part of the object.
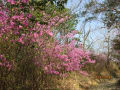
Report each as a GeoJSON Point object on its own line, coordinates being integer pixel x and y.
{"type": "Point", "coordinates": [77, 81]}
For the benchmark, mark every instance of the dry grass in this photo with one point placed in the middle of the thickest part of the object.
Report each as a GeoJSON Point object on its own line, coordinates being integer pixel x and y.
{"type": "Point", "coordinates": [76, 81]}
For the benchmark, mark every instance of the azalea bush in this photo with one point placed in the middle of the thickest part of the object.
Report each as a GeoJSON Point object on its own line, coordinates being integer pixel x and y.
{"type": "Point", "coordinates": [99, 66]}
{"type": "Point", "coordinates": [29, 50]}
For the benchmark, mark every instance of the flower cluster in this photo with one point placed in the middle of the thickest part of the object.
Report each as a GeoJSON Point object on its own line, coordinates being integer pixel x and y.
{"type": "Point", "coordinates": [15, 2]}
{"type": "Point", "coordinates": [65, 57]}
{"type": "Point", "coordinates": [52, 57]}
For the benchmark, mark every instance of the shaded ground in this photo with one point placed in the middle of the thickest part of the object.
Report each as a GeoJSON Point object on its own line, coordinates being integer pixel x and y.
{"type": "Point", "coordinates": [110, 85]}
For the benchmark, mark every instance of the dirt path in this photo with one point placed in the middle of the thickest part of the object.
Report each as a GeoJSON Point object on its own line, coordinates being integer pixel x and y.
{"type": "Point", "coordinates": [111, 85]}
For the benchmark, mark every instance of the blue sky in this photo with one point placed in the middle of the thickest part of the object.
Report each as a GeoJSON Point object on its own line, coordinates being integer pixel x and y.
{"type": "Point", "coordinates": [98, 33]}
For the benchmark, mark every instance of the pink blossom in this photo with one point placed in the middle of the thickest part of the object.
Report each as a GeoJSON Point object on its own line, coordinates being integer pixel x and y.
{"type": "Point", "coordinates": [84, 73]}
{"type": "Point", "coordinates": [0, 64]}
{"type": "Point", "coordinates": [20, 26]}
{"type": "Point", "coordinates": [49, 33]}
{"type": "Point", "coordinates": [41, 33]}
{"type": "Point", "coordinates": [29, 15]}
{"type": "Point", "coordinates": [61, 20]}
{"type": "Point", "coordinates": [12, 23]}
{"type": "Point", "coordinates": [35, 35]}
{"type": "Point", "coordinates": [46, 68]}
{"type": "Point", "coordinates": [11, 1]}
{"type": "Point", "coordinates": [55, 12]}
{"type": "Point", "coordinates": [91, 61]}
{"type": "Point", "coordinates": [25, 1]}
{"type": "Point", "coordinates": [63, 57]}
{"type": "Point", "coordinates": [21, 41]}
{"type": "Point", "coordinates": [69, 35]}
{"type": "Point", "coordinates": [15, 17]}
{"type": "Point", "coordinates": [16, 32]}
{"type": "Point", "coordinates": [66, 17]}
{"type": "Point", "coordinates": [23, 35]}
{"type": "Point", "coordinates": [54, 72]}
{"type": "Point", "coordinates": [75, 32]}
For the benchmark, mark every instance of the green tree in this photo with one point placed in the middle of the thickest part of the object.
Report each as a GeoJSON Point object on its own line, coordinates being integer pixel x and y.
{"type": "Point", "coordinates": [110, 10]}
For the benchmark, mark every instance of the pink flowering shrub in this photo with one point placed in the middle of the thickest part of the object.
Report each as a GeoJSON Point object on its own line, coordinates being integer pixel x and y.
{"type": "Point", "coordinates": [31, 50]}
{"type": "Point", "coordinates": [62, 57]}
{"type": "Point", "coordinates": [65, 56]}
